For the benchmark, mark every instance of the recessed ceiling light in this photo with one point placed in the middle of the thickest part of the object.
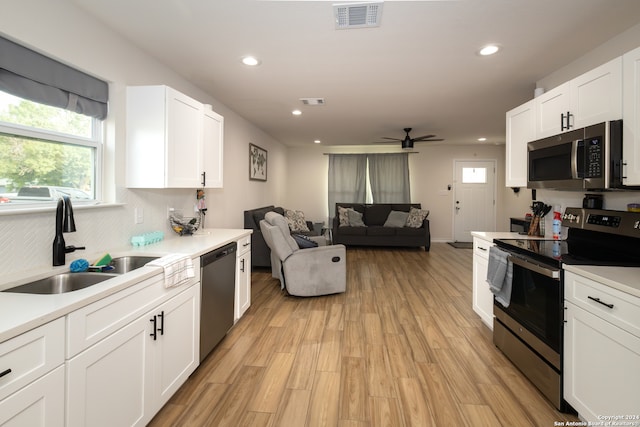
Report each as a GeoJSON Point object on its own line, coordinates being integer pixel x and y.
{"type": "Point", "coordinates": [482, 139]}
{"type": "Point", "coordinates": [296, 112]}
{"type": "Point", "coordinates": [250, 61]}
{"type": "Point", "coordinates": [317, 141]}
{"type": "Point", "coordinates": [489, 50]}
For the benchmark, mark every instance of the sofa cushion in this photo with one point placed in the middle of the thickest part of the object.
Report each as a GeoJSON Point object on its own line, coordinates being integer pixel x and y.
{"type": "Point", "coordinates": [396, 219]}
{"type": "Point", "coordinates": [416, 217]}
{"type": "Point", "coordinates": [355, 218]}
{"type": "Point", "coordinates": [296, 220]}
{"type": "Point", "coordinates": [410, 231]}
{"type": "Point", "coordinates": [376, 214]}
{"type": "Point", "coordinates": [353, 231]}
{"type": "Point", "coordinates": [343, 216]}
{"type": "Point", "coordinates": [380, 230]}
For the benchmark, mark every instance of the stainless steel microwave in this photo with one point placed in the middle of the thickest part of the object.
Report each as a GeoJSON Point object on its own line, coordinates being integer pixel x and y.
{"type": "Point", "coordinates": [588, 158]}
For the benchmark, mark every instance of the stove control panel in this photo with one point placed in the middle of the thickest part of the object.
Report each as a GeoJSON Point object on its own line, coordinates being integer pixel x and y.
{"type": "Point", "coordinates": [606, 221]}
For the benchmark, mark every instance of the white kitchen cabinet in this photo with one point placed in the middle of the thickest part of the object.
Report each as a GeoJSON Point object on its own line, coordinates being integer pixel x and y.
{"type": "Point", "coordinates": [631, 118]}
{"type": "Point", "coordinates": [593, 97]}
{"type": "Point", "coordinates": [32, 377]}
{"type": "Point", "coordinates": [521, 129]}
{"type": "Point", "coordinates": [125, 378]}
{"type": "Point", "coordinates": [243, 277]}
{"type": "Point", "coordinates": [40, 404]}
{"type": "Point", "coordinates": [601, 349]}
{"type": "Point", "coordinates": [482, 295]}
{"type": "Point", "coordinates": [213, 149]}
{"type": "Point", "coordinates": [171, 139]}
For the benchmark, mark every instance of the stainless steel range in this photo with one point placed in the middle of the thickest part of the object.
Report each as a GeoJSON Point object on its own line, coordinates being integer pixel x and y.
{"type": "Point", "coordinates": [529, 331]}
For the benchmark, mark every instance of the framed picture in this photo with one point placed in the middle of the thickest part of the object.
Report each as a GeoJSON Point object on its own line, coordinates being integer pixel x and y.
{"type": "Point", "coordinates": [257, 163]}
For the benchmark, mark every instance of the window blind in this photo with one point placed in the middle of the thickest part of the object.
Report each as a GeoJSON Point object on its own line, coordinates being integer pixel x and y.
{"type": "Point", "coordinates": [33, 76]}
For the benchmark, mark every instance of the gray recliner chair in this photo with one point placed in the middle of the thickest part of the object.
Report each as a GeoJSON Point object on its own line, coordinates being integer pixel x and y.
{"type": "Point", "coordinates": [307, 272]}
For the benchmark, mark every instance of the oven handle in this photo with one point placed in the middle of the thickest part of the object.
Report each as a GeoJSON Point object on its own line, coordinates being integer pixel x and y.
{"type": "Point", "coordinates": [548, 272]}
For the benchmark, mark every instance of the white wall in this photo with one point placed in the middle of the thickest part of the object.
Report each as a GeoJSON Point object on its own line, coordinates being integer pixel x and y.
{"type": "Point", "coordinates": [60, 30]}
{"type": "Point", "coordinates": [431, 169]}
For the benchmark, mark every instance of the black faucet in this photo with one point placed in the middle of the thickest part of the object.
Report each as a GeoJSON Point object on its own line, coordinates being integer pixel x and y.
{"type": "Point", "coordinates": [64, 224]}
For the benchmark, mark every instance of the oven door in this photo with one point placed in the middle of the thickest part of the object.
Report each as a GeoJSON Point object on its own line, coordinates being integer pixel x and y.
{"type": "Point", "coordinates": [535, 311]}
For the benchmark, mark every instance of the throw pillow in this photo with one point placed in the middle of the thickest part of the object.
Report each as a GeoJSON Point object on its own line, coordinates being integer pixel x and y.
{"type": "Point", "coordinates": [416, 217]}
{"type": "Point", "coordinates": [343, 216]}
{"type": "Point", "coordinates": [396, 219]}
{"type": "Point", "coordinates": [304, 242]}
{"type": "Point", "coordinates": [296, 220]}
{"type": "Point", "coordinates": [355, 218]}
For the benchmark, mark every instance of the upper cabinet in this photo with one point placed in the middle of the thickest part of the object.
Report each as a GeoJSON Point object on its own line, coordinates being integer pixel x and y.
{"type": "Point", "coordinates": [521, 128]}
{"type": "Point", "coordinates": [173, 141]}
{"type": "Point", "coordinates": [631, 119]}
{"type": "Point", "coordinates": [594, 97]}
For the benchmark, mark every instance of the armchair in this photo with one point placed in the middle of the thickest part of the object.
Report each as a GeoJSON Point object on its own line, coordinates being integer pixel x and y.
{"type": "Point", "coordinates": [303, 272]}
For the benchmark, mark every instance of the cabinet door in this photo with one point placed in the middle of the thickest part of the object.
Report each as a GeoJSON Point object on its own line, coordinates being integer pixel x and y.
{"type": "Point", "coordinates": [184, 135]}
{"type": "Point", "coordinates": [109, 384]}
{"type": "Point", "coordinates": [177, 345]}
{"type": "Point", "coordinates": [243, 284]}
{"type": "Point", "coordinates": [631, 118]}
{"type": "Point", "coordinates": [212, 149]}
{"type": "Point", "coordinates": [596, 96]}
{"type": "Point", "coordinates": [39, 404]}
{"type": "Point", "coordinates": [521, 129]}
{"type": "Point", "coordinates": [550, 107]}
{"type": "Point", "coordinates": [601, 374]}
{"type": "Point", "coordinates": [482, 295]}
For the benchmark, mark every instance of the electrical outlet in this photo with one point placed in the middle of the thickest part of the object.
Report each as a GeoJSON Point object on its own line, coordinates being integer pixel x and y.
{"type": "Point", "coordinates": [170, 211]}
{"type": "Point", "coordinates": [138, 215]}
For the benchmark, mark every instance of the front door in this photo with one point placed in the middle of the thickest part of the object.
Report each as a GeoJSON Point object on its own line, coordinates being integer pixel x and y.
{"type": "Point", "coordinates": [474, 198]}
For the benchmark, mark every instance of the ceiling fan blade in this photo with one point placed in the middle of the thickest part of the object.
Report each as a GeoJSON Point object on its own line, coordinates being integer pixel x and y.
{"type": "Point", "coordinates": [418, 138]}
{"type": "Point", "coordinates": [429, 140]}
{"type": "Point", "coordinates": [392, 139]}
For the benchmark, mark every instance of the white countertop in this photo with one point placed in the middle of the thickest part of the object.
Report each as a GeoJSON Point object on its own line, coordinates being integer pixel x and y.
{"type": "Point", "coordinates": [22, 312]}
{"type": "Point", "coordinates": [625, 279]}
{"type": "Point", "coordinates": [490, 235]}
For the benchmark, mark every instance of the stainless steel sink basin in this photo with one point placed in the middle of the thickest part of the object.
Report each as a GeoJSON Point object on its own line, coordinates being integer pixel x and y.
{"type": "Point", "coordinates": [126, 264]}
{"type": "Point", "coordinates": [61, 283]}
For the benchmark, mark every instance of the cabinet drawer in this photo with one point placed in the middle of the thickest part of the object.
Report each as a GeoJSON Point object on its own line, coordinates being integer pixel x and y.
{"type": "Point", "coordinates": [244, 245]}
{"type": "Point", "coordinates": [481, 247]}
{"type": "Point", "coordinates": [612, 305]}
{"type": "Point", "coordinates": [30, 356]}
{"type": "Point", "coordinates": [96, 321]}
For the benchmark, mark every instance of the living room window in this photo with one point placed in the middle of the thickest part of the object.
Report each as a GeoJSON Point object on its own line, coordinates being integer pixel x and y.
{"type": "Point", "coordinates": [50, 130]}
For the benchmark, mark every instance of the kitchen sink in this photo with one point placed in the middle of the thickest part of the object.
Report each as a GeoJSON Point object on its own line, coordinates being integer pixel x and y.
{"type": "Point", "coordinates": [126, 264]}
{"type": "Point", "coordinates": [61, 283]}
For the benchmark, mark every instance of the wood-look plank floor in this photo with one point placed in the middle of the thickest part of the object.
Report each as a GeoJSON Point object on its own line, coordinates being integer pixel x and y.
{"type": "Point", "coordinates": [402, 347]}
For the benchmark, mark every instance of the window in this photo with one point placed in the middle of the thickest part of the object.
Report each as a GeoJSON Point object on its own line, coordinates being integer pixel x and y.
{"type": "Point", "coordinates": [46, 152]}
{"type": "Point", "coordinates": [474, 175]}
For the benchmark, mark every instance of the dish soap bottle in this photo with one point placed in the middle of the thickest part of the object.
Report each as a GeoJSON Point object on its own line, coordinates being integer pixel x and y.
{"type": "Point", "coordinates": [556, 225]}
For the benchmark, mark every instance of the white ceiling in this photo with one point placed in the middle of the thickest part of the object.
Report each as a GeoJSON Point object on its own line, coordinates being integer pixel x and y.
{"type": "Point", "coordinates": [418, 69]}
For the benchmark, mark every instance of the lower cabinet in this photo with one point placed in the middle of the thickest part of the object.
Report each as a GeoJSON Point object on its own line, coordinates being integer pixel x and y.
{"type": "Point", "coordinates": [243, 278]}
{"type": "Point", "coordinates": [126, 378]}
{"type": "Point", "coordinates": [482, 295]}
{"type": "Point", "coordinates": [39, 404]}
{"type": "Point", "coordinates": [602, 351]}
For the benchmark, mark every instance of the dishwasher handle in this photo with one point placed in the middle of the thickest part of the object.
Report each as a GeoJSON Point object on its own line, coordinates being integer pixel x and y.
{"type": "Point", "coordinates": [215, 255]}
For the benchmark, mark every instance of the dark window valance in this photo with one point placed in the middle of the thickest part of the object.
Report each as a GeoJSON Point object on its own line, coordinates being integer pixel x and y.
{"type": "Point", "coordinates": [33, 76]}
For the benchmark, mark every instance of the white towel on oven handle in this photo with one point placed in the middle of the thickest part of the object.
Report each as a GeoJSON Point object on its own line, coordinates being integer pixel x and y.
{"type": "Point", "coordinates": [178, 269]}
{"type": "Point", "coordinates": [500, 275]}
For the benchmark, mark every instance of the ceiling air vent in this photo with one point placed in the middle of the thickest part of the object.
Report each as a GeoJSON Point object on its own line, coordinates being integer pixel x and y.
{"type": "Point", "coordinates": [312, 101]}
{"type": "Point", "coordinates": [357, 15]}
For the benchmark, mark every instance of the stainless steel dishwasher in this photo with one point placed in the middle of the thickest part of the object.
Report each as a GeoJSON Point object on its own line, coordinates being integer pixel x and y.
{"type": "Point", "coordinates": [218, 280]}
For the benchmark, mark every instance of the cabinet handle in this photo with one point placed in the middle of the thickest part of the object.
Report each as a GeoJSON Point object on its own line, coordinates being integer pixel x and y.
{"type": "Point", "coordinates": [153, 334]}
{"type": "Point", "coordinates": [246, 244]}
{"type": "Point", "coordinates": [204, 179]}
{"type": "Point", "coordinates": [562, 121]}
{"type": "Point", "coordinates": [600, 302]}
{"type": "Point", "coordinates": [5, 372]}
{"type": "Point", "coordinates": [242, 265]}
{"type": "Point", "coordinates": [161, 316]}
{"type": "Point", "coordinates": [481, 248]}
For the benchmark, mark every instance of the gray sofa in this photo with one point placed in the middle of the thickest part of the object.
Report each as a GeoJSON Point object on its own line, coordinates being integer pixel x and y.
{"type": "Point", "coordinates": [260, 252]}
{"type": "Point", "coordinates": [374, 233]}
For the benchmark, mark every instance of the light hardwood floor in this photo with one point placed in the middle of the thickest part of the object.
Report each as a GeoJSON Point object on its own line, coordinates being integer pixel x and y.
{"type": "Point", "coordinates": [402, 347]}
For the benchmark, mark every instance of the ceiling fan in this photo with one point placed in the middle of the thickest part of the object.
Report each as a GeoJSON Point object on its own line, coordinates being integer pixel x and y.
{"type": "Point", "coordinates": [407, 142]}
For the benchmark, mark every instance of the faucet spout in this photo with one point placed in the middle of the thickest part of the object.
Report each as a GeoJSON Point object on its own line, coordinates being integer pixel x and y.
{"type": "Point", "coordinates": [64, 223]}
